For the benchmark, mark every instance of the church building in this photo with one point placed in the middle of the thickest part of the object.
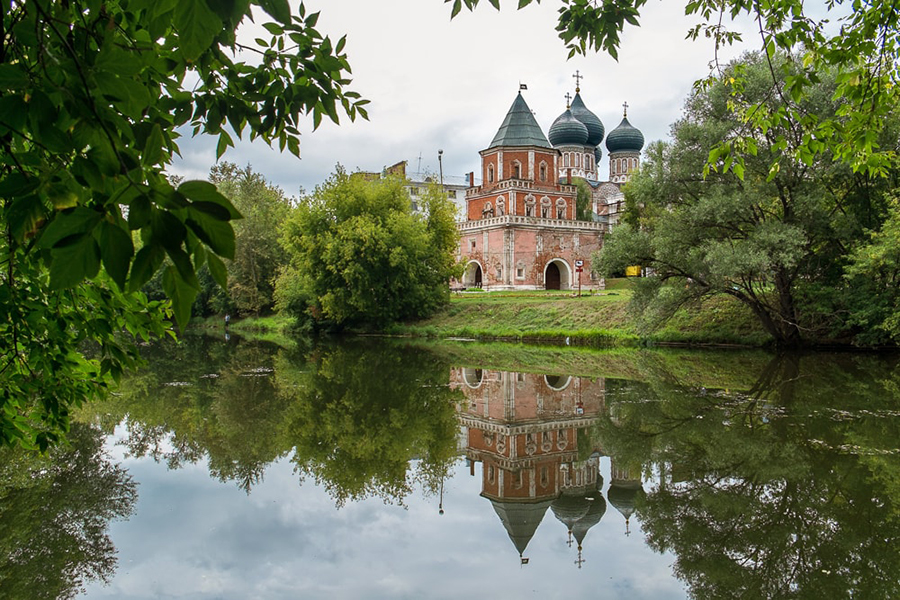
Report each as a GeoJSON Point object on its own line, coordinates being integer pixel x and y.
{"type": "Point", "coordinates": [521, 229]}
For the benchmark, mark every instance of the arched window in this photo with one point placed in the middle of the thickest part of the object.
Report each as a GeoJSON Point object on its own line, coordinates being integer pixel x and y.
{"type": "Point", "coordinates": [577, 160]}
{"type": "Point", "coordinates": [546, 205]}
{"type": "Point", "coordinates": [488, 211]}
{"type": "Point", "coordinates": [490, 173]}
{"type": "Point", "coordinates": [529, 205]}
{"type": "Point", "coordinates": [516, 170]}
{"type": "Point", "coordinates": [543, 171]}
{"type": "Point", "coordinates": [501, 207]}
{"type": "Point", "coordinates": [560, 208]}
{"type": "Point", "coordinates": [566, 159]}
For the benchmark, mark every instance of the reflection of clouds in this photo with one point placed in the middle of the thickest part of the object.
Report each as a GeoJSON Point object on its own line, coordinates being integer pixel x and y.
{"type": "Point", "coordinates": [193, 537]}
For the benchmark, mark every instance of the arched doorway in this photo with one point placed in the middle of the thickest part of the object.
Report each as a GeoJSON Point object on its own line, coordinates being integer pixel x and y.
{"type": "Point", "coordinates": [551, 277]}
{"type": "Point", "coordinates": [557, 275]}
{"type": "Point", "coordinates": [473, 276]}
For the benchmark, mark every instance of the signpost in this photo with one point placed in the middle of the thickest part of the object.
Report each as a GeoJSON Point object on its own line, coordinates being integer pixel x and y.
{"type": "Point", "coordinates": [579, 267]}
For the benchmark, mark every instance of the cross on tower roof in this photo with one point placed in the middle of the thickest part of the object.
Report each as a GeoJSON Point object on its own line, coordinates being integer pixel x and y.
{"type": "Point", "coordinates": [625, 109]}
{"type": "Point", "coordinates": [568, 97]}
{"type": "Point", "coordinates": [578, 77]}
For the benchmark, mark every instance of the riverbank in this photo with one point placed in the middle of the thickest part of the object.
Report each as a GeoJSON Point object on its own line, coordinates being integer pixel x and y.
{"type": "Point", "coordinates": [592, 319]}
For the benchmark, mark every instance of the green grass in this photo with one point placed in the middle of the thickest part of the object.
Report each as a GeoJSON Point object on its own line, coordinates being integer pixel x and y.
{"type": "Point", "coordinates": [598, 319]}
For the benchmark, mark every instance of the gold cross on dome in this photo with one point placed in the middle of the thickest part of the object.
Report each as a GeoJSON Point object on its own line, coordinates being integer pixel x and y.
{"type": "Point", "coordinates": [625, 107]}
{"type": "Point", "coordinates": [578, 77]}
{"type": "Point", "coordinates": [568, 97]}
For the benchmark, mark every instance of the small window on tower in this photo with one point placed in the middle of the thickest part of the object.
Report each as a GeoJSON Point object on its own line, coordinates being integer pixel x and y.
{"type": "Point", "coordinates": [413, 191]}
{"type": "Point", "coordinates": [490, 173]}
{"type": "Point", "coordinates": [543, 171]}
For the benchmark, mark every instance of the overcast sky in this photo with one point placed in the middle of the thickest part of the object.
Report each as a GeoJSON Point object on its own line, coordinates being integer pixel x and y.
{"type": "Point", "coordinates": [441, 84]}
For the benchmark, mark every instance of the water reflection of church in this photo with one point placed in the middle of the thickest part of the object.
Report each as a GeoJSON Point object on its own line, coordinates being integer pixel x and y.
{"type": "Point", "coordinates": [532, 435]}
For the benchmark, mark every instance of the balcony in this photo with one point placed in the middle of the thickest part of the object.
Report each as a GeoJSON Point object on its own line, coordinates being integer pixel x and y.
{"type": "Point", "coordinates": [520, 221]}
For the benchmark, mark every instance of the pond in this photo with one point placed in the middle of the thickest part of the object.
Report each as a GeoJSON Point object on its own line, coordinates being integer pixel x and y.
{"type": "Point", "coordinates": [383, 469]}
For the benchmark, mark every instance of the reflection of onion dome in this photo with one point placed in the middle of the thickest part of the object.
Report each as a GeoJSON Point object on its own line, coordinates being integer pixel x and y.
{"type": "Point", "coordinates": [591, 121]}
{"type": "Point", "coordinates": [569, 509]}
{"type": "Point", "coordinates": [521, 520]}
{"type": "Point", "coordinates": [566, 129]}
{"type": "Point", "coordinates": [595, 512]}
{"type": "Point", "coordinates": [625, 138]}
{"type": "Point", "coordinates": [622, 497]}
{"type": "Point", "coordinates": [579, 513]}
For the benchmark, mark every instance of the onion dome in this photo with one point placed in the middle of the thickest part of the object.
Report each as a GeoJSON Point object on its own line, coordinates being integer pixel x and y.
{"type": "Point", "coordinates": [567, 130]}
{"type": "Point", "coordinates": [625, 138]}
{"type": "Point", "coordinates": [591, 121]}
{"type": "Point", "coordinates": [520, 128]}
{"type": "Point", "coordinates": [598, 154]}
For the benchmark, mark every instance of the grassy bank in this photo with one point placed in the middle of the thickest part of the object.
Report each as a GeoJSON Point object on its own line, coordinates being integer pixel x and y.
{"type": "Point", "coordinates": [598, 319]}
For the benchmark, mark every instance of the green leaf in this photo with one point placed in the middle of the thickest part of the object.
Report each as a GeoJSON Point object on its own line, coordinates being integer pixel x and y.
{"type": "Point", "coordinates": [139, 212]}
{"type": "Point", "coordinates": [224, 142]}
{"type": "Point", "coordinates": [13, 78]}
{"type": "Point", "coordinates": [197, 27]}
{"type": "Point", "coordinates": [204, 191]}
{"type": "Point", "coordinates": [72, 264]}
{"type": "Point", "coordinates": [116, 250]}
{"type": "Point", "coordinates": [68, 223]}
{"type": "Point", "coordinates": [25, 216]}
{"type": "Point", "coordinates": [218, 270]}
{"type": "Point", "coordinates": [180, 293]}
{"type": "Point", "coordinates": [153, 150]}
{"type": "Point", "coordinates": [280, 10]}
{"type": "Point", "coordinates": [218, 235]}
{"type": "Point", "coordinates": [185, 268]}
{"type": "Point", "coordinates": [146, 262]}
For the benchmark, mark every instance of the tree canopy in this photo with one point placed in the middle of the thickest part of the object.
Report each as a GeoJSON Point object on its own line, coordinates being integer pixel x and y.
{"type": "Point", "coordinates": [93, 97]}
{"type": "Point", "coordinates": [776, 241]}
{"type": "Point", "coordinates": [361, 256]}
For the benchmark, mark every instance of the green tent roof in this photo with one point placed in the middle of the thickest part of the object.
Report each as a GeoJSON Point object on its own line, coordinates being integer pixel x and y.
{"type": "Point", "coordinates": [519, 128]}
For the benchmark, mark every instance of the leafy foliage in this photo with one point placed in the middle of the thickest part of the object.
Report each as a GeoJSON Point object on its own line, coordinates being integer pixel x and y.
{"type": "Point", "coordinates": [361, 256]}
{"type": "Point", "coordinates": [92, 96]}
{"type": "Point", "coordinates": [258, 255]}
{"type": "Point", "coordinates": [775, 240]}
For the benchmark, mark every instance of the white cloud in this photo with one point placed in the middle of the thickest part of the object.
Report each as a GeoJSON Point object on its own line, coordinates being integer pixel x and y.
{"type": "Point", "coordinates": [441, 84]}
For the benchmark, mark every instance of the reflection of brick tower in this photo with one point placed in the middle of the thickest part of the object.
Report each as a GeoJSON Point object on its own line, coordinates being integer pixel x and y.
{"type": "Point", "coordinates": [524, 429]}
{"type": "Point", "coordinates": [624, 488]}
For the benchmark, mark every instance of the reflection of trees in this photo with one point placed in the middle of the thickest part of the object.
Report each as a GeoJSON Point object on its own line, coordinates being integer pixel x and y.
{"type": "Point", "coordinates": [787, 492]}
{"type": "Point", "coordinates": [54, 513]}
{"type": "Point", "coordinates": [199, 398]}
{"type": "Point", "coordinates": [355, 414]}
{"type": "Point", "coordinates": [360, 413]}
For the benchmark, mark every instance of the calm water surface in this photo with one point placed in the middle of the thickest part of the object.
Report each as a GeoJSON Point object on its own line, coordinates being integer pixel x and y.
{"type": "Point", "coordinates": [372, 469]}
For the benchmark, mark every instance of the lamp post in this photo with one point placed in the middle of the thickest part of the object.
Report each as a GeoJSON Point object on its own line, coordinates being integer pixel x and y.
{"type": "Point", "coordinates": [441, 168]}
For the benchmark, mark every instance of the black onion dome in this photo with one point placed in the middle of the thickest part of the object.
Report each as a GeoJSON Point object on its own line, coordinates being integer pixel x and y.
{"type": "Point", "coordinates": [625, 138]}
{"type": "Point", "coordinates": [591, 121]}
{"type": "Point", "coordinates": [567, 130]}
{"type": "Point", "coordinates": [598, 154]}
